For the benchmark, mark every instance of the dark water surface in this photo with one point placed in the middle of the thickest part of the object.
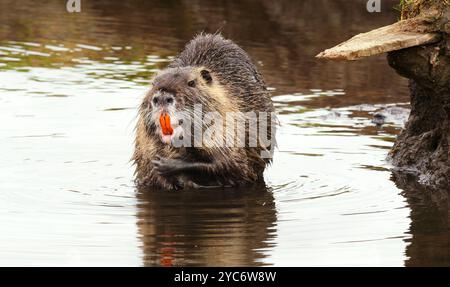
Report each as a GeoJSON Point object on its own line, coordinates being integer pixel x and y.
{"type": "Point", "coordinates": [69, 88]}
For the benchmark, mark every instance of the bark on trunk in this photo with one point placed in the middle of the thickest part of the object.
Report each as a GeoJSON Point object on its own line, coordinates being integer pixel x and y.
{"type": "Point", "coordinates": [423, 145]}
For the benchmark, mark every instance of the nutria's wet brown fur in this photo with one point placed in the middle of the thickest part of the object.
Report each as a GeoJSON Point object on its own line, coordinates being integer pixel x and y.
{"type": "Point", "coordinates": [218, 74]}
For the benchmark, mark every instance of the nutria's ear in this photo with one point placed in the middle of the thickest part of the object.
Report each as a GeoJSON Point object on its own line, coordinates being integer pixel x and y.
{"type": "Point", "coordinates": [206, 75]}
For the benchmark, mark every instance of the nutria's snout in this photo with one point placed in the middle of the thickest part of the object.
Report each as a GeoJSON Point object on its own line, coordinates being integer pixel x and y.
{"type": "Point", "coordinates": [163, 100]}
{"type": "Point", "coordinates": [162, 114]}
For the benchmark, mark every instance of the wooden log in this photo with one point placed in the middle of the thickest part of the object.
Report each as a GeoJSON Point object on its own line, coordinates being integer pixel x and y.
{"type": "Point", "coordinates": [385, 39]}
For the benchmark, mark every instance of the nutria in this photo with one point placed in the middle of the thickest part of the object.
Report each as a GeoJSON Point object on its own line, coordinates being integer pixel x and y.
{"type": "Point", "coordinates": [218, 75]}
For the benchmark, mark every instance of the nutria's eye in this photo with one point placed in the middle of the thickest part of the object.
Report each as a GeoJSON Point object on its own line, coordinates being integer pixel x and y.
{"type": "Point", "coordinates": [155, 100]}
{"type": "Point", "coordinates": [191, 83]}
{"type": "Point", "coordinates": [206, 76]}
{"type": "Point", "coordinates": [170, 100]}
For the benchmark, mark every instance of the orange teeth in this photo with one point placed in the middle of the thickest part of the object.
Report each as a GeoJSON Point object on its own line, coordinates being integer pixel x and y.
{"type": "Point", "coordinates": [164, 121]}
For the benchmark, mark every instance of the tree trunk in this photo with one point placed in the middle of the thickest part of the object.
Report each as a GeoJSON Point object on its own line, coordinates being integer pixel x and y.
{"type": "Point", "coordinates": [423, 145]}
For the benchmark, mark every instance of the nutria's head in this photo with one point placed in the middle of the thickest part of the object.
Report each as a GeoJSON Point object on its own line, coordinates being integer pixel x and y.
{"type": "Point", "coordinates": [172, 97]}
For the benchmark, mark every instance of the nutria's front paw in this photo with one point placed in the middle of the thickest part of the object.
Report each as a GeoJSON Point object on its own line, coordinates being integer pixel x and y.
{"type": "Point", "coordinates": [168, 166]}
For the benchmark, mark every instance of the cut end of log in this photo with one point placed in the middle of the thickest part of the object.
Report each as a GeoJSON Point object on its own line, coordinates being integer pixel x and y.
{"type": "Point", "coordinates": [381, 40]}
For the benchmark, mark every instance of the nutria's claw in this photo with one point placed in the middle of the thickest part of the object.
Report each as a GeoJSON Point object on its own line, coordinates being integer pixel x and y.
{"type": "Point", "coordinates": [167, 166]}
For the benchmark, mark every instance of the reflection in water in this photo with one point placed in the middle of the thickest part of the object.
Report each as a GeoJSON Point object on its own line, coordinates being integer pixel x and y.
{"type": "Point", "coordinates": [69, 88]}
{"type": "Point", "coordinates": [430, 227]}
{"type": "Point", "coordinates": [217, 227]}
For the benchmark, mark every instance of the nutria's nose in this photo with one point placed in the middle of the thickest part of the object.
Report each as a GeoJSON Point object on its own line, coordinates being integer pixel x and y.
{"type": "Point", "coordinates": [163, 99]}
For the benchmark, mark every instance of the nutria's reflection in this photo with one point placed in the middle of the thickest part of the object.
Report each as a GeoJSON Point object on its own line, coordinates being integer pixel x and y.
{"type": "Point", "coordinates": [208, 227]}
{"type": "Point", "coordinates": [430, 226]}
